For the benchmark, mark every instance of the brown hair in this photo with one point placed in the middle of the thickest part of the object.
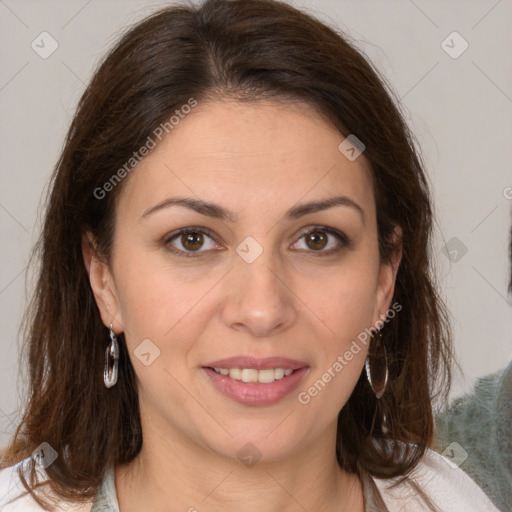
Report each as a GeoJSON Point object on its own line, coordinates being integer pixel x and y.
{"type": "Point", "coordinates": [248, 50]}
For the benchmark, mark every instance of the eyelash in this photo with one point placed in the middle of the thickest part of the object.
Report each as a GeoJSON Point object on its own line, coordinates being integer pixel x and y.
{"type": "Point", "coordinates": [344, 240]}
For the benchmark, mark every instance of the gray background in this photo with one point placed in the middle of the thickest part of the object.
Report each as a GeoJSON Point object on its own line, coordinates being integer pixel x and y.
{"type": "Point", "coordinates": [459, 109]}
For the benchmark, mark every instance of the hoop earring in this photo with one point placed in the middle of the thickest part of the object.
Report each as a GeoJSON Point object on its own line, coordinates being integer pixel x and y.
{"type": "Point", "coordinates": [376, 365]}
{"type": "Point", "coordinates": [111, 352]}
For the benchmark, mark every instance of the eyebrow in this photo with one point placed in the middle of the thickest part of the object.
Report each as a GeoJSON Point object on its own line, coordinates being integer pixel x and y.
{"type": "Point", "coordinates": [216, 211]}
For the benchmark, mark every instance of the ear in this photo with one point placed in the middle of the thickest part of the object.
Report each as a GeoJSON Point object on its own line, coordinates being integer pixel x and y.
{"type": "Point", "coordinates": [102, 284]}
{"type": "Point", "coordinates": [387, 276]}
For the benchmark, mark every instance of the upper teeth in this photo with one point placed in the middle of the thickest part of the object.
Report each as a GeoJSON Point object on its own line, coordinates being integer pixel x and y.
{"type": "Point", "coordinates": [252, 375]}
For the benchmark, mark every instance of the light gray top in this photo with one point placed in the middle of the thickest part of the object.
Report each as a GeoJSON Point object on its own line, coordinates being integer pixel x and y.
{"type": "Point", "coordinates": [106, 499]}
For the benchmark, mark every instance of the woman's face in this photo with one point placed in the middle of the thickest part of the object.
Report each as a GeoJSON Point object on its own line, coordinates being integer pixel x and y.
{"type": "Point", "coordinates": [246, 284]}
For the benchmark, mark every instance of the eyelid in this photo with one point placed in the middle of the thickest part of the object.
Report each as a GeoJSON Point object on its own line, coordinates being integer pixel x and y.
{"type": "Point", "coordinates": [194, 229]}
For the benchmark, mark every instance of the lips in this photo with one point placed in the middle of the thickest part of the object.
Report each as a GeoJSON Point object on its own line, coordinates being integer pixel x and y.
{"type": "Point", "coordinates": [247, 380]}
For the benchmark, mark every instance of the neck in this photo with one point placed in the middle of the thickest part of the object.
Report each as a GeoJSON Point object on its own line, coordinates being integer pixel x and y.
{"type": "Point", "coordinates": [172, 471]}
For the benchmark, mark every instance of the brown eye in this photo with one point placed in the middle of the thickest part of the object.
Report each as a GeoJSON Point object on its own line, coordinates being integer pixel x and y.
{"type": "Point", "coordinates": [192, 241]}
{"type": "Point", "coordinates": [316, 240]}
{"type": "Point", "coordinates": [188, 241]}
{"type": "Point", "coordinates": [323, 241]}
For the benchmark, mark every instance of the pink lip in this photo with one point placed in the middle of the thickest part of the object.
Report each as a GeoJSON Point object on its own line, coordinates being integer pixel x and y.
{"type": "Point", "coordinates": [257, 364]}
{"type": "Point", "coordinates": [256, 394]}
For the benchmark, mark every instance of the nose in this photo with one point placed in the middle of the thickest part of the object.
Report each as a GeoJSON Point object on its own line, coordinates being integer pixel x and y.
{"type": "Point", "coordinates": [258, 299]}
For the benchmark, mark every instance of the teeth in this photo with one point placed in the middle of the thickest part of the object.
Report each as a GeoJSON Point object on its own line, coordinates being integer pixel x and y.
{"type": "Point", "coordinates": [266, 376]}
{"type": "Point", "coordinates": [235, 373]}
{"type": "Point", "coordinates": [252, 375]}
{"type": "Point", "coordinates": [248, 375]}
{"type": "Point", "coordinates": [278, 373]}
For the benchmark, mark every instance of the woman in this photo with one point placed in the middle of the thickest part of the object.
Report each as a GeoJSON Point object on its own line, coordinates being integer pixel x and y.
{"type": "Point", "coordinates": [235, 307]}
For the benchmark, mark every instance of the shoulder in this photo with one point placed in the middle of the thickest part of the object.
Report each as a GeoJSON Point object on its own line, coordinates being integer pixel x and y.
{"type": "Point", "coordinates": [446, 485]}
{"type": "Point", "coordinates": [14, 497]}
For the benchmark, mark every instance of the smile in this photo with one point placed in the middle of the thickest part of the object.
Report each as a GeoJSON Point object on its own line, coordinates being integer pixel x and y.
{"type": "Point", "coordinates": [256, 382]}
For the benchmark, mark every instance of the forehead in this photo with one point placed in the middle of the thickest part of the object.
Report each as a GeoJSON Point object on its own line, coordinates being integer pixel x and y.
{"type": "Point", "coordinates": [250, 153]}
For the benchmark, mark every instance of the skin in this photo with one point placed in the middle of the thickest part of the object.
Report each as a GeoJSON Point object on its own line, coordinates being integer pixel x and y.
{"type": "Point", "coordinates": [257, 160]}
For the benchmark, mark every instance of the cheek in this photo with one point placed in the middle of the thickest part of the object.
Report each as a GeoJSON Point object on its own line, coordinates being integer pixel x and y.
{"type": "Point", "coordinates": [345, 308]}
{"type": "Point", "coordinates": [154, 299]}
{"type": "Point", "coordinates": [344, 300]}
{"type": "Point", "coordinates": [160, 305]}
{"type": "Point", "coordinates": [345, 304]}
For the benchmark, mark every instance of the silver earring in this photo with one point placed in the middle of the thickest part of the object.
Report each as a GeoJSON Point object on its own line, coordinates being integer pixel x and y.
{"type": "Point", "coordinates": [377, 366]}
{"type": "Point", "coordinates": [112, 352]}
